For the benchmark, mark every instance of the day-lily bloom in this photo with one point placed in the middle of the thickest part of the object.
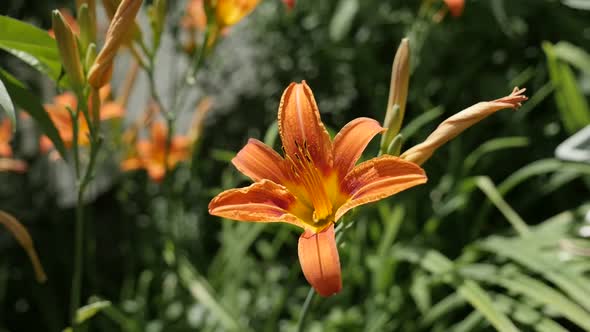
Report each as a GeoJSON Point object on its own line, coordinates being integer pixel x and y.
{"type": "Point", "coordinates": [230, 12]}
{"type": "Point", "coordinates": [455, 7]}
{"type": "Point", "coordinates": [315, 183]}
{"type": "Point", "coordinates": [151, 154]}
{"type": "Point", "coordinates": [457, 123]}
{"type": "Point", "coordinates": [60, 115]}
{"type": "Point", "coordinates": [7, 163]}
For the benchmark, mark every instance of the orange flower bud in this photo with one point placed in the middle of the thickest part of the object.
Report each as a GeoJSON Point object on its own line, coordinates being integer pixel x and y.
{"type": "Point", "coordinates": [68, 49]}
{"type": "Point", "coordinates": [124, 19]}
{"type": "Point", "coordinates": [457, 123]}
{"type": "Point", "coordinates": [398, 93]}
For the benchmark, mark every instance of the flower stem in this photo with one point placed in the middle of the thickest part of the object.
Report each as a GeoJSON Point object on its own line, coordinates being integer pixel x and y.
{"type": "Point", "coordinates": [305, 309]}
{"type": "Point", "coordinates": [78, 259]}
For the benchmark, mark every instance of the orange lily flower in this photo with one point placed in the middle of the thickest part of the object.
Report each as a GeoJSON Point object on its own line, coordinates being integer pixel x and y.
{"type": "Point", "coordinates": [59, 114]}
{"type": "Point", "coordinates": [315, 183]}
{"type": "Point", "coordinates": [151, 154]}
{"type": "Point", "coordinates": [6, 162]}
{"type": "Point", "coordinates": [455, 7]}
{"type": "Point", "coordinates": [230, 12]}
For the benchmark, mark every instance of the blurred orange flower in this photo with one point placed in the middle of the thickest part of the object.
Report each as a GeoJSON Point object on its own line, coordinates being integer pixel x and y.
{"type": "Point", "coordinates": [5, 136]}
{"type": "Point", "coordinates": [195, 17]}
{"type": "Point", "coordinates": [230, 12]}
{"type": "Point", "coordinates": [315, 183]}
{"type": "Point", "coordinates": [6, 161]}
{"type": "Point", "coordinates": [455, 7]}
{"type": "Point", "coordinates": [150, 154]}
{"type": "Point", "coordinates": [59, 114]}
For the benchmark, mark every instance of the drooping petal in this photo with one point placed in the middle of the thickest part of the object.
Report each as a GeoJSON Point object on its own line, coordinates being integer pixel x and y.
{"type": "Point", "coordinates": [258, 161]}
{"type": "Point", "coordinates": [459, 122]}
{"type": "Point", "coordinates": [351, 141]}
{"type": "Point", "coordinates": [300, 125]}
{"type": "Point", "coordinates": [318, 256]}
{"type": "Point", "coordinates": [263, 201]}
{"type": "Point", "coordinates": [379, 178]}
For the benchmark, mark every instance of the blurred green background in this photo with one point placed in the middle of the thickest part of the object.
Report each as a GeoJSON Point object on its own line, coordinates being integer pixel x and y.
{"type": "Point", "coordinates": [441, 257]}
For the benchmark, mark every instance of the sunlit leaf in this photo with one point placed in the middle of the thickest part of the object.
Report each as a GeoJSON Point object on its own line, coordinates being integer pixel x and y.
{"type": "Point", "coordinates": [30, 44]}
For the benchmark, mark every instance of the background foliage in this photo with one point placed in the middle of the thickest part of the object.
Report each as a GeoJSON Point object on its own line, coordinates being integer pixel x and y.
{"type": "Point", "coordinates": [491, 241]}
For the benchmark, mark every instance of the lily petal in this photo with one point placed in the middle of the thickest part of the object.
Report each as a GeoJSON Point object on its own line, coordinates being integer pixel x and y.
{"type": "Point", "coordinates": [318, 256]}
{"type": "Point", "coordinates": [258, 161]}
{"type": "Point", "coordinates": [351, 141]}
{"type": "Point", "coordinates": [379, 178]}
{"type": "Point", "coordinates": [263, 201]}
{"type": "Point", "coordinates": [300, 124]}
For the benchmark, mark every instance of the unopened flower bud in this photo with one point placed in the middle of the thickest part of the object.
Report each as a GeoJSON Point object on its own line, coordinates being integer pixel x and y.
{"type": "Point", "coordinates": [68, 49]}
{"type": "Point", "coordinates": [123, 21]}
{"type": "Point", "coordinates": [398, 93]}
{"type": "Point", "coordinates": [457, 123]}
{"type": "Point", "coordinates": [87, 22]}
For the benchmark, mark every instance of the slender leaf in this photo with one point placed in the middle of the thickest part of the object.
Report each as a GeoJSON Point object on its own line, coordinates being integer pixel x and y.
{"type": "Point", "coordinates": [571, 103]}
{"type": "Point", "coordinates": [487, 186]}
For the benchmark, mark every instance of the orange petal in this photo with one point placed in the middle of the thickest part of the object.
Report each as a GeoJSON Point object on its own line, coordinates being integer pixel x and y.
{"type": "Point", "coordinates": [378, 178]}
{"type": "Point", "coordinates": [111, 110]}
{"type": "Point", "coordinates": [263, 201]}
{"type": "Point", "coordinates": [455, 7]}
{"type": "Point", "coordinates": [351, 141]}
{"type": "Point", "coordinates": [258, 161]}
{"type": "Point", "coordinates": [5, 150]}
{"type": "Point", "coordinates": [156, 171]}
{"type": "Point", "coordinates": [130, 164]}
{"type": "Point", "coordinates": [319, 261]}
{"type": "Point", "coordinates": [300, 124]}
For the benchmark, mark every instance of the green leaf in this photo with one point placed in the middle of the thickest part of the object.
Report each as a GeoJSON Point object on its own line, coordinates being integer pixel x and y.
{"type": "Point", "coordinates": [487, 186]}
{"type": "Point", "coordinates": [200, 289]}
{"type": "Point", "coordinates": [576, 56]}
{"type": "Point", "coordinates": [342, 19]}
{"type": "Point", "coordinates": [420, 121]}
{"type": "Point", "coordinates": [479, 299]}
{"type": "Point", "coordinates": [548, 296]}
{"type": "Point", "coordinates": [7, 106]}
{"type": "Point", "coordinates": [571, 103]}
{"type": "Point", "coordinates": [492, 145]}
{"type": "Point", "coordinates": [30, 44]}
{"type": "Point", "coordinates": [30, 103]}
{"type": "Point", "coordinates": [88, 311]}
{"type": "Point", "coordinates": [437, 263]}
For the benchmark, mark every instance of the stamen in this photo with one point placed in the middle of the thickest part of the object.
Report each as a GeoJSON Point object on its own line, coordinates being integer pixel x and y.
{"type": "Point", "coordinates": [307, 173]}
